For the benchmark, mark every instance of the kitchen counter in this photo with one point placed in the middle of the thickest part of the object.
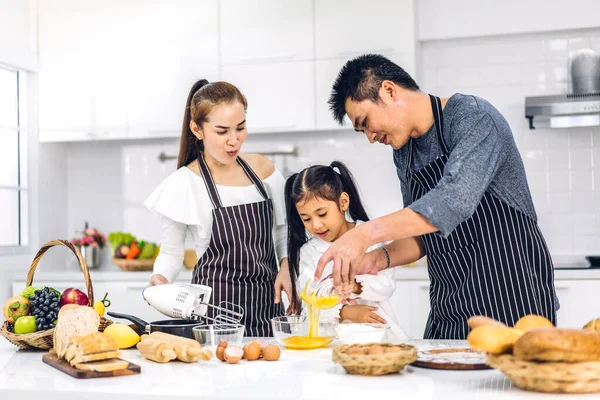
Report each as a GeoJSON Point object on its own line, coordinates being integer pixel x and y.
{"type": "Point", "coordinates": [297, 375]}
{"type": "Point", "coordinates": [113, 273]}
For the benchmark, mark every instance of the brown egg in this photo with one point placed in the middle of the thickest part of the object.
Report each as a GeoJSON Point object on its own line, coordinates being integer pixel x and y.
{"type": "Point", "coordinates": [393, 349]}
{"type": "Point", "coordinates": [233, 354]}
{"type": "Point", "coordinates": [222, 343]}
{"type": "Point", "coordinates": [356, 350]}
{"type": "Point", "coordinates": [271, 352]}
{"type": "Point", "coordinates": [252, 351]}
{"type": "Point", "coordinates": [220, 353]}
{"type": "Point", "coordinates": [376, 349]}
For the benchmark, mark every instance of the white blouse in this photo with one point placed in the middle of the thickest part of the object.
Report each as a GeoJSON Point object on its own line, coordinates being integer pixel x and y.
{"type": "Point", "coordinates": [376, 289]}
{"type": "Point", "coordinates": [183, 203]}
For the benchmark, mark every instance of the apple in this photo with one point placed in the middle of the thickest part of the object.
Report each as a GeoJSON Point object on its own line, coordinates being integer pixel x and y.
{"type": "Point", "coordinates": [73, 296]}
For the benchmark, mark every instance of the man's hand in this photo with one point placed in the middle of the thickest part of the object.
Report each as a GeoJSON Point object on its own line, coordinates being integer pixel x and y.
{"type": "Point", "coordinates": [346, 254]}
{"type": "Point", "coordinates": [361, 313]}
{"type": "Point", "coordinates": [283, 283]}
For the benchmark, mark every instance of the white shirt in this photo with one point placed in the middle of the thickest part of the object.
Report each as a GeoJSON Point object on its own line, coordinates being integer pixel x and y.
{"type": "Point", "coordinates": [376, 289]}
{"type": "Point", "coordinates": [184, 206]}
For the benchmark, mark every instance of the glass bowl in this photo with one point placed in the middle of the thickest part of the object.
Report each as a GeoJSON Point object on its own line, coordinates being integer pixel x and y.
{"type": "Point", "coordinates": [291, 326]}
{"type": "Point", "coordinates": [210, 336]}
{"type": "Point", "coordinates": [355, 333]}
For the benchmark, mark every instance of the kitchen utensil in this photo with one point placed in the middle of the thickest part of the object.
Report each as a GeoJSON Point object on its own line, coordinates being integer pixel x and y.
{"type": "Point", "coordinates": [289, 326]}
{"type": "Point", "coordinates": [594, 261]}
{"type": "Point", "coordinates": [179, 327]}
{"type": "Point", "coordinates": [62, 365]}
{"type": "Point", "coordinates": [211, 335]}
{"type": "Point", "coordinates": [451, 359]}
{"type": "Point", "coordinates": [361, 333]}
{"type": "Point", "coordinates": [584, 68]}
{"type": "Point", "coordinates": [191, 302]}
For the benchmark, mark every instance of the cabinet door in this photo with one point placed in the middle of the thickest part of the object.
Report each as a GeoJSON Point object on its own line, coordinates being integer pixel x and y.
{"type": "Point", "coordinates": [280, 95]}
{"type": "Point", "coordinates": [326, 72]}
{"type": "Point", "coordinates": [420, 307]}
{"type": "Point", "coordinates": [400, 303]}
{"type": "Point", "coordinates": [256, 31]}
{"type": "Point", "coordinates": [579, 302]}
{"type": "Point", "coordinates": [66, 68]}
{"type": "Point", "coordinates": [347, 28]}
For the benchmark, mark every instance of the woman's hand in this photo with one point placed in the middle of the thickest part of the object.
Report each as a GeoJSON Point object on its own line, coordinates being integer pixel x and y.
{"type": "Point", "coordinates": [346, 254]}
{"type": "Point", "coordinates": [283, 283]}
{"type": "Point", "coordinates": [361, 314]}
{"type": "Point", "coordinates": [157, 279]}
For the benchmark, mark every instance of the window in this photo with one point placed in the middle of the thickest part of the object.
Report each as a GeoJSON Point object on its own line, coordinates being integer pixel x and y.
{"type": "Point", "coordinates": [14, 202]}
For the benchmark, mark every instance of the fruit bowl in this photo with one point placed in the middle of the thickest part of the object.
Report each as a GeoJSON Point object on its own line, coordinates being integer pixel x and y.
{"type": "Point", "coordinates": [292, 332]}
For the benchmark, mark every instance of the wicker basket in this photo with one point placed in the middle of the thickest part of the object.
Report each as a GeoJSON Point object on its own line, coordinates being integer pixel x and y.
{"type": "Point", "coordinates": [374, 364]}
{"type": "Point", "coordinates": [550, 377]}
{"type": "Point", "coordinates": [134, 265]}
{"type": "Point", "coordinates": [43, 340]}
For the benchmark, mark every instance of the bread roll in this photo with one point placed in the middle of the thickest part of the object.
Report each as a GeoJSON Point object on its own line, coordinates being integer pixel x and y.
{"type": "Point", "coordinates": [593, 325]}
{"type": "Point", "coordinates": [531, 322]}
{"type": "Point", "coordinates": [493, 339]}
{"type": "Point", "coordinates": [553, 344]}
{"type": "Point", "coordinates": [480, 320]}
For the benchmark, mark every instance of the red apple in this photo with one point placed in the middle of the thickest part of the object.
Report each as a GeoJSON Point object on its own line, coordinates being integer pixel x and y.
{"type": "Point", "coordinates": [73, 296]}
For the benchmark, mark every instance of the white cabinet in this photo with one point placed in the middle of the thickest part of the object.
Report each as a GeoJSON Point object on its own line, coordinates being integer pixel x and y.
{"type": "Point", "coordinates": [579, 302]}
{"type": "Point", "coordinates": [122, 69]}
{"type": "Point", "coordinates": [258, 31]}
{"type": "Point", "coordinates": [347, 28]}
{"type": "Point", "coordinates": [280, 95]}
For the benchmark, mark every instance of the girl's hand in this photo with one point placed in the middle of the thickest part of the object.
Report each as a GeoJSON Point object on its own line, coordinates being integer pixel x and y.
{"type": "Point", "coordinates": [283, 283]}
{"type": "Point", "coordinates": [157, 279]}
{"type": "Point", "coordinates": [361, 314]}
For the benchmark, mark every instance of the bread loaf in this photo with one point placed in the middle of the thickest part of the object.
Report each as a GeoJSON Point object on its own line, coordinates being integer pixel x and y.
{"type": "Point", "coordinates": [532, 322]}
{"type": "Point", "coordinates": [553, 344]}
{"type": "Point", "coordinates": [73, 320]}
{"type": "Point", "coordinates": [593, 325]}
{"type": "Point", "coordinates": [480, 320]}
{"type": "Point", "coordinates": [103, 366]}
{"type": "Point", "coordinates": [493, 339]}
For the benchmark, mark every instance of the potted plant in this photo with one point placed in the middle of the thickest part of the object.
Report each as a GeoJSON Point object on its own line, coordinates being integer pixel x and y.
{"type": "Point", "coordinates": [90, 246]}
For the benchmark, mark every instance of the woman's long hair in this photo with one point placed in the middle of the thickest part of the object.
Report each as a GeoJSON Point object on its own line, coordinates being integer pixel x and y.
{"type": "Point", "coordinates": [203, 97]}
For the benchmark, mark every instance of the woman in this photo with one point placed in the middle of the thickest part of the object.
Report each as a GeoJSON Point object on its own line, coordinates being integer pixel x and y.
{"type": "Point", "coordinates": [232, 206]}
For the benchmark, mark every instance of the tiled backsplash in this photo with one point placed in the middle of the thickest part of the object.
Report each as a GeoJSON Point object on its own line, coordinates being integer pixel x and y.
{"type": "Point", "coordinates": [108, 181]}
{"type": "Point", "coordinates": [563, 165]}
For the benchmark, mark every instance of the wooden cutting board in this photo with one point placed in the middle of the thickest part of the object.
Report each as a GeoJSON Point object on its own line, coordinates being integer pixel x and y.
{"type": "Point", "coordinates": [451, 359]}
{"type": "Point", "coordinates": [62, 365]}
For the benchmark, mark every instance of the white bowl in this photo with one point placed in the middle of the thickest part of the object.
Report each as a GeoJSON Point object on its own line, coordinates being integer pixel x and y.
{"type": "Point", "coordinates": [361, 333]}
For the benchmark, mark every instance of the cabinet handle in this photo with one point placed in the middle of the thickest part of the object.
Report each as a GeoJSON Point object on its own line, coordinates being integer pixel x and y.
{"type": "Point", "coordinates": [355, 52]}
{"type": "Point", "coordinates": [424, 286]}
{"type": "Point", "coordinates": [137, 287]}
{"type": "Point", "coordinates": [283, 57]}
{"type": "Point", "coordinates": [272, 128]}
{"type": "Point", "coordinates": [561, 287]}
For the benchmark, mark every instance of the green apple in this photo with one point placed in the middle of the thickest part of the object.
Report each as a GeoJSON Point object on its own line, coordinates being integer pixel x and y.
{"type": "Point", "coordinates": [25, 325]}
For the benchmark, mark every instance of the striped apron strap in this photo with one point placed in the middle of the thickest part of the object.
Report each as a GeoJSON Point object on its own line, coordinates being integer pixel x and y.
{"type": "Point", "coordinates": [253, 177]}
{"type": "Point", "coordinates": [211, 187]}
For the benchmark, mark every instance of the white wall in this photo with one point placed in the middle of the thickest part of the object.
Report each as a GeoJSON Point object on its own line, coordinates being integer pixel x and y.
{"type": "Point", "coordinates": [444, 19]}
{"type": "Point", "coordinates": [563, 165]}
{"type": "Point", "coordinates": [18, 33]}
{"type": "Point", "coordinates": [108, 181]}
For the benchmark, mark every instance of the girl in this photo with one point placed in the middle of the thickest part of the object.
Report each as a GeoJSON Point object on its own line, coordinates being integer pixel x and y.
{"type": "Point", "coordinates": [317, 201]}
{"type": "Point", "coordinates": [231, 205]}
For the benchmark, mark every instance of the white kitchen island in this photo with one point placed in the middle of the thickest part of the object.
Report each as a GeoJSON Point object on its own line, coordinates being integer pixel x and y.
{"type": "Point", "coordinates": [297, 375]}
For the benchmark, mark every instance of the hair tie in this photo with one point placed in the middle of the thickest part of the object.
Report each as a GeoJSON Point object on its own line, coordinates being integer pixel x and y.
{"type": "Point", "coordinates": [335, 169]}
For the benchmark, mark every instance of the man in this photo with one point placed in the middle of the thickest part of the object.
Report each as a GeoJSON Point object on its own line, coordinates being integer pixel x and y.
{"type": "Point", "coordinates": [467, 204]}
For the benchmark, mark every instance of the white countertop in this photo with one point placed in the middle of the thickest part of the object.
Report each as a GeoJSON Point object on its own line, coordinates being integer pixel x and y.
{"type": "Point", "coordinates": [297, 375]}
{"type": "Point", "coordinates": [113, 273]}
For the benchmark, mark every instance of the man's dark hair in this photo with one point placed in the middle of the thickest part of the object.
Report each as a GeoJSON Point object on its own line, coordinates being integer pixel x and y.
{"type": "Point", "coordinates": [361, 78]}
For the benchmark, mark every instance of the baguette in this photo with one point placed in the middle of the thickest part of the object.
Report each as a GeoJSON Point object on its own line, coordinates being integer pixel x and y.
{"type": "Point", "coordinates": [480, 320]}
{"type": "Point", "coordinates": [532, 321]}
{"type": "Point", "coordinates": [593, 325]}
{"type": "Point", "coordinates": [553, 344]}
{"type": "Point", "coordinates": [95, 357]}
{"type": "Point", "coordinates": [73, 320]}
{"type": "Point", "coordinates": [493, 339]}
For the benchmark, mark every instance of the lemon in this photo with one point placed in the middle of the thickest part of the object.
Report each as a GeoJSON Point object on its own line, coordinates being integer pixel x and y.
{"type": "Point", "coordinates": [99, 307]}
{"type": "Point", "coordinates": [123, 334]}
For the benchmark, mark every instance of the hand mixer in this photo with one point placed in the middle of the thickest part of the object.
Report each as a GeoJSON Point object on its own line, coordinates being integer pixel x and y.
{"type": "Point", "coordinates": [191, 301]}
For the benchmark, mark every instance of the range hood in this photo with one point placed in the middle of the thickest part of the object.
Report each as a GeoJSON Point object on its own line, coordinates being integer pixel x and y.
{"type": "Point", "coordinates": [563, 110]}
{"type": "Point", "coordinates": [579, 108]}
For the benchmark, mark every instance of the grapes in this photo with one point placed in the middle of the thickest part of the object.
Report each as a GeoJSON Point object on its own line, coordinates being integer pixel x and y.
{"type": "Point", "coordinates": [45, 306]}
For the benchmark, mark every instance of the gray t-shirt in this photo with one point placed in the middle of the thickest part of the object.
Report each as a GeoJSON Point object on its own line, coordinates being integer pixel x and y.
{"type": "Point", "coordinates": [483, 156]}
